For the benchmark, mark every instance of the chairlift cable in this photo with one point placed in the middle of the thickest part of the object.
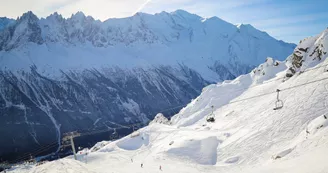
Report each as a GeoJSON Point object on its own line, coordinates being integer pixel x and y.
{"type": "Point", "coordinates": [248, 98]}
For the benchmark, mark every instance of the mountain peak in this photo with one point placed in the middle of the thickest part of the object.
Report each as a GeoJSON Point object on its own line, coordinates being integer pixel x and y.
{"type": "Point", "coordinates": [250, 29]}
{"type": "Point", "coordinates": [78, 15]}
{"type": "Point", "coordinates": [140, 14]}
{"type": "Point", "coordinates": [30, 16]}
{"type": "Point", "coordinates": [214, 18]}
{"type": "Point", "coordinates": [26, 30]}
{"type": "Point", "coordinates": [55, 15]}
{"type": "Point", "coordinates": [185, 14]}
{"type": "Point", "coordinates": [243, 25]}
{"type": "Point", "coordinates": [163, 13]}
{"type": "Point", "coordinates": [180, 11]}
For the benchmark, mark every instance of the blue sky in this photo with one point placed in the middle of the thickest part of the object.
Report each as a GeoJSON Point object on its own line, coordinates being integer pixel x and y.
{"type": "Point", "coordinates": [288, 20]}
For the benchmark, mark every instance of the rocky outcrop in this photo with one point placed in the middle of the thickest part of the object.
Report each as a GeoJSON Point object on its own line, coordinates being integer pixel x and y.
{"type": "Point", "coordinates": [160, 119]}
{"type": "Point", "coordinates": [309, 52]}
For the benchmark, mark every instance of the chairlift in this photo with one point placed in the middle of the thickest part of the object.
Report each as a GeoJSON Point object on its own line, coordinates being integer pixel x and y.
{"type": "Point", "coordinates": [211, 118]}
{"type": "Point", "coordinates": [279, 103]}
{"type": "Point", "coordinates": [114, 135]}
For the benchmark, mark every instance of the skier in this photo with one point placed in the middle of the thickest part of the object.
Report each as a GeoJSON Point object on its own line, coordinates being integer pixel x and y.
{"type": "Point", "coordinates": [131, 160]}
{"type": "Point", "coordinates": [141, 165]}
{"type": "Point", "coordinates": [160, 167]}
{"type": "Point", "coordinates": [307, 133]}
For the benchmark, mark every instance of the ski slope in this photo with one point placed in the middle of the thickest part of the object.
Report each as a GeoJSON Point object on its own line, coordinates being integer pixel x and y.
{"type": "Point", "coordinates": [247, 135]}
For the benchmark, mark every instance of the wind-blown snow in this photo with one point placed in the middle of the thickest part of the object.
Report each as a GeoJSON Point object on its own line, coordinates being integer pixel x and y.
{"type": "Point", "coordinates": [133, 143]}
{"type": "Point", "coordinates": [201, 151]}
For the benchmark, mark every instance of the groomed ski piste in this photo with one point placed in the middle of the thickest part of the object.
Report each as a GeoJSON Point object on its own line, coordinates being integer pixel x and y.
{"type": "Point", "coordinates": [248, 135]}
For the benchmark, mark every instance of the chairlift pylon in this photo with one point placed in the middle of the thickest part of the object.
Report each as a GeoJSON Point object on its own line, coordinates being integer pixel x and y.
{"type": "Point", "coordinates": [114, 135]}
{"type": "Point", "coordinates": [114, 132]}
{"type": "Point", "coordinates": [279, 103]}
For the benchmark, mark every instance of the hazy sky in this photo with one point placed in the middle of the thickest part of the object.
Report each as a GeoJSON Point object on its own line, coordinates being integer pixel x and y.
{"type": "Point", "coordinates": [288, 20]}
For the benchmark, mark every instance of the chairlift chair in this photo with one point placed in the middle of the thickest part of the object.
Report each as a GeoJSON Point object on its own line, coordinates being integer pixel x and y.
{"type": "Point", "coordinates": [279, 103]}
{"type": "Point", "coordinates": [211, 118]}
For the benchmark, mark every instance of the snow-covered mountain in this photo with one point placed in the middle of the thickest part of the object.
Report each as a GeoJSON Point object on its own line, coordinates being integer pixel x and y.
{"type": "Point", "coordinates": [59, 75]}
{"type": "Point", "coordinates": [248, 135]}
{"type": "Point", "coordinates": [214, 48]}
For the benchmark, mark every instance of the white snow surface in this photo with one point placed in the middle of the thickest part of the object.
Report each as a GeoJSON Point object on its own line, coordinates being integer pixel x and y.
{"type": "Point", "coordinates": [62, 166]}
{"type": "Point", "coordinates": [248, 136]}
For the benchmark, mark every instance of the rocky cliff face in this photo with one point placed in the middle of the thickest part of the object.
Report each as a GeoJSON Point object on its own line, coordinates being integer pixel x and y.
{"type": "Point", "coordinates": [59, 75]}
{"type": "Point", "coordinates": [308, 53]}
{"type": "Point", "coordinates": [36, 110]}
